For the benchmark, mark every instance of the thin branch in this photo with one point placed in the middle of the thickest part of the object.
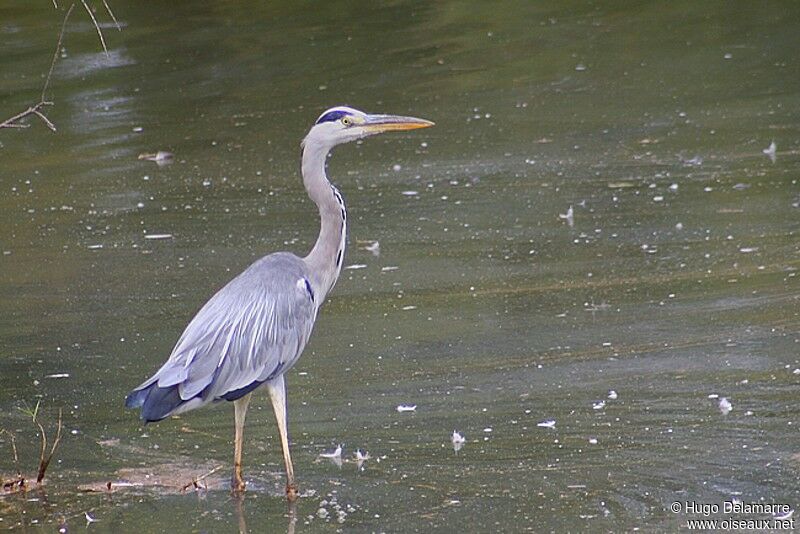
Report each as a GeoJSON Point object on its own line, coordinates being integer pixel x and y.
{"type": "Point", "coordinates": [13, 448]}
{"type": "Point", "coordinates": [44, 446]}
{"type": "Point", "coordinates": [36, 109]}
{"type": "Point", "coordinates": [195, 481]}
{"type": "Point", "coordinates": [55, 52]}
{"type": "Point", "coordinates": [111, 14]}
{"type": "Point", "coordinates": [45, 462]}
{"type": "Point", "coordinates": [44, 118]}
{"type": "Point", "coordinates": [18, 484]}
{"type": "Point", "coordinates": [96, 26]}
{"type": "Point", "coordinates": [33, 110]}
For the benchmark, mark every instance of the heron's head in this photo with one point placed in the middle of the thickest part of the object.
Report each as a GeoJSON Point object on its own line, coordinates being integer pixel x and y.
{"type": "Point", "coordinates": [342, 124]}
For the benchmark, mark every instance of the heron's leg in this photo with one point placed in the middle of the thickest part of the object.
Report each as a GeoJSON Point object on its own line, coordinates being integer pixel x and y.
{"type": "Point", "coordinates": [239, 503]}
{"type": "Point", "coordinates": [240, 411]}
{"type": "Point", "coordinates": [277, 394]}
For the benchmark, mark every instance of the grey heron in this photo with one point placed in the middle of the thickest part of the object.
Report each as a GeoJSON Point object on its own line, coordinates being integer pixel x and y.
{"type": "Point", "coordinates": [253, 330]}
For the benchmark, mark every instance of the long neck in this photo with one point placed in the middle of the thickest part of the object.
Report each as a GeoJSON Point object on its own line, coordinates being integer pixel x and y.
{"type": "Point", "coordinates": [325, 259]}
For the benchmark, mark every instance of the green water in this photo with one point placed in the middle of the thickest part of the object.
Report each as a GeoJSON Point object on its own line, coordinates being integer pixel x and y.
{"type": "Point", "coordinates": [677, 281]}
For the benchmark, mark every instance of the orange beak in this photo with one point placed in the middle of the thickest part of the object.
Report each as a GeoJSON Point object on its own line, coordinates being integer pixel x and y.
{"type": "Point", "coordinates": [391, 123]}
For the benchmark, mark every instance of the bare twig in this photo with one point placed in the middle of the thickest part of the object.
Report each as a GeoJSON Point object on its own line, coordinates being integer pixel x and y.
{"type": "Point", "coordinates": [18, 483]}
{"type": "Point", "coordinates": [36, 109]}
{"type": "Point", "coordinates": [45, 462]}
{"type": "Point", "coordinates": [196, 480]}
{"type": "Point", "coordinates": [33, 110]}
{"type": "Point", "coordinates": [45, 457]}
{"type": "Point", "coordinates": [13, 448]}
{"type": "Point", "coordinates": [55, 52]}
{"type": "Point", "coordinates": [44, 118]}
{"type": "Point", "coordinates": [44, 444]}
{"type": "Point", "coordinates": [96, 26]}
{"type": "Point", "coordinates": [111, 14]}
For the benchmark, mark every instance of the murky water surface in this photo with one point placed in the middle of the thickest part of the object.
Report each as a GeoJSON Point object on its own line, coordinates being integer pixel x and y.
{"type": "Point", "coordinates": [673, 283]}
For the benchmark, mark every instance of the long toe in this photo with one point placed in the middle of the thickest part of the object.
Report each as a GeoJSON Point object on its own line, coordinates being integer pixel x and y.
{"type": "Point", "coordinates": [237, 486]}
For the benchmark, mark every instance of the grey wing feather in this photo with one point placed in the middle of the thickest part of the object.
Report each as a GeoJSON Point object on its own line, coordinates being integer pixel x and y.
{"type": "Point", "coordinates": [252, 330]}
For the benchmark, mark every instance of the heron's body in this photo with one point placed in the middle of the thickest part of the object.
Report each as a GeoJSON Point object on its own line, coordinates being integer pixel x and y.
{"type": "Point", "coordinates": [253, 330]}
{"type": "Point", "coordinates": [273, 302]}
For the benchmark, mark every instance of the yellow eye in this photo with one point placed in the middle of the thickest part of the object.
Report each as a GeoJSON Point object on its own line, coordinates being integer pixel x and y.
{"type": "Point", "coordinates": [347, 121]}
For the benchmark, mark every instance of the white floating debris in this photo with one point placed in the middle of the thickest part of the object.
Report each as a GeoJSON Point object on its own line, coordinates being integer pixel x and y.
{"type": "Point", "coordinates": [361, 457]}
{"type": "Point", "coordinates": [568, 216]}
{"type": "Point", "coordinates": [784, 517]}
{"type": "Point", "coordinates": [94, 247]}
{"type": "Point", "coordinates": [673, 187]}
{"type": "Point", "coordinates": [725, 406]}
{"type": "Point", "coordinates": [771, 151]}
{"type": "Point", "coordinates": [599, 405]}
{"type": "Point", "coordinates": [796, 371]}
{"type": "Point", "coordinates": [612, 395]}
{"type": "Point", "coordinates": [620, 185]}
{"type": "Point", "coordinates": [58, 375]}
{"type": "Point", "coordinates": [747, 250]}
{"type": "Point", "coordinates": [487, 429]}
{"type": "Point", "coordinates": [549, 423]}
{"type": "Point", "coordinates": [397, 167]}
{"type": "Point", "coordinates": [389, 268]}
{"type": "Point", "coordinates": [355, 266]}
{"type": "Point", "coordinates": [334, 454]}
{"type": "Point", "coordinates": [658, 198]}
{"type": "Point", "coordinates": [158, 236]}
{"type": "Point", "coordinates": [374, 248]}
{"type": "Point", "coordinates": [162, 156]}
{"type": "Point", "coordinates": [406, 407]}
{"type": "Point", "coordinates": [409, 193]}
{"type": "Point", "coordinates": [593, 441]}
{"type": "Point", "coordinates": [713, 396]}
{"type": "Point", "coordinates": [407, 308]}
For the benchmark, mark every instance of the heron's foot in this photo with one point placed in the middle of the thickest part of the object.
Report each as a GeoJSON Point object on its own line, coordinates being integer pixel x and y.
{"type": "Point", "coordinates": [238, 485]}
{"type": "Point", "coordinates": [292, 492]}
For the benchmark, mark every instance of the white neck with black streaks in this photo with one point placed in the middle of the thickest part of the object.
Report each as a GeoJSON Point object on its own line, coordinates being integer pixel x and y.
{"type": "Point", "coordinates": [326, 258]}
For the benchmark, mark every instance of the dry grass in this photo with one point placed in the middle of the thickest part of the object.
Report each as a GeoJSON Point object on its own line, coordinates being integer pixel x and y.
{"type": "Point", "coordinates": [19, 483]}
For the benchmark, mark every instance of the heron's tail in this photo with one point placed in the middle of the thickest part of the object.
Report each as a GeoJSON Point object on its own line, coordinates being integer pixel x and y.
{"type": "Point", "coordinates": [156, 402]}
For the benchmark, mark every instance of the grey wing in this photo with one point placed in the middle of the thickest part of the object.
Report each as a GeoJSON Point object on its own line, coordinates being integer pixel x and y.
{"type": "Point", "coordinates": [251, 331]}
